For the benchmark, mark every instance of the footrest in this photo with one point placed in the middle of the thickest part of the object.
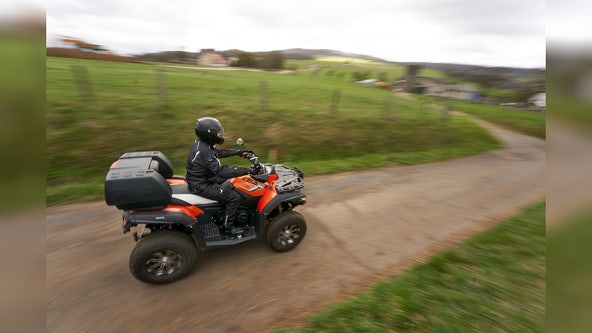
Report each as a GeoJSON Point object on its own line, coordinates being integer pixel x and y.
{"type": "Point", "coordinates": [250, 234]}
{"type": "Point", "coordinates": [210, 230]}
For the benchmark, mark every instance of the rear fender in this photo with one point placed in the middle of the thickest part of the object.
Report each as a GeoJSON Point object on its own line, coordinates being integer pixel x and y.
{"type": "Point", "coordinates": [170, 215]}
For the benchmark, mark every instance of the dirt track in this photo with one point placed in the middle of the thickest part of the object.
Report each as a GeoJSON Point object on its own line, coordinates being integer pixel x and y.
{"type": "Point", "coordinates": [363, 226]}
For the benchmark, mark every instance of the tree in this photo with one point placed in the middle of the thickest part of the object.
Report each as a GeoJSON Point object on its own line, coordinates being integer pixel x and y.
{"type": "Point", "coordinates": [361, 75]}
{"type": "Point", "coordinates": [272, 60]}
{"type": "Point", "coordinates": [247, 59]}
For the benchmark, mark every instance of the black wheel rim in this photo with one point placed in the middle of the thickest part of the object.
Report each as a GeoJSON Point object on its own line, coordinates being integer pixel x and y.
{"type": "Point", "coordinates": [164, 263]}
{"type": "Point", "coordinates": [289, 234]}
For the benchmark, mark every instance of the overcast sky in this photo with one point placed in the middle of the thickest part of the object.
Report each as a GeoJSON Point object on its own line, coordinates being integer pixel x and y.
{"type": "Point", "coordinates": [486, 32]}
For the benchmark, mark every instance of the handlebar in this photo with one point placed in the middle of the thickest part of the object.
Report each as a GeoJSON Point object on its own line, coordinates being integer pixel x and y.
{"type": "Point", "coordinates": [250, 155]}
{"type": "Point", "coordinates": [253, 158]}
{"type": "Point", "coordinates": [254, 161]}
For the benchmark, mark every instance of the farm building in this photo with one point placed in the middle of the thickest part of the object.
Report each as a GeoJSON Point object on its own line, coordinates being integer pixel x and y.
{"type": "Point", "coordinates": [436, 87]}
{"type": "Point", "coordinates": [463, 92]}
{"type": "Point", "coordinates": [212, 59]}
{"type": "Point", "coordinates": [366, 83]}
{"type": "Point", "coordinates": [539, 100]}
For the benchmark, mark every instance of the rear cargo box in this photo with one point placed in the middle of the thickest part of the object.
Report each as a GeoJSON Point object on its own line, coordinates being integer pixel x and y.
{"type": "Point", "coordinates": [138, 180]}
{"type": "Point", "coordinates": [153, 160]}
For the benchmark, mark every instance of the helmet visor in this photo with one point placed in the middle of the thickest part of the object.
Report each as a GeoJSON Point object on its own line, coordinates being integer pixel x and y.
{"type": "Point", "coordinates": [220, 133]}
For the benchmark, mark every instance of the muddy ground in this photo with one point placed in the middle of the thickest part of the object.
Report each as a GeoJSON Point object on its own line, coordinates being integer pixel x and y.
{"type": "Point", "coordinates": [362, 227]}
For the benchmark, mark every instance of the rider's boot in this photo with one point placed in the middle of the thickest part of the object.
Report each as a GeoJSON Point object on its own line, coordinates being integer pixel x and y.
{"type": "Point", "coordinates": [229, 229]}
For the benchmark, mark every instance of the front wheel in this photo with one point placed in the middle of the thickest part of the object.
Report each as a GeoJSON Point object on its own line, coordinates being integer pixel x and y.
{"type": "Point", "coordinates": [163, 257]}
{"type": "Point", "coordinates": [286, 231]}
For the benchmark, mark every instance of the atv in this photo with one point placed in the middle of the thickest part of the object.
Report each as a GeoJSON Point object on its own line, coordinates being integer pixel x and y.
{"type": "Point", "coordinates": [170, 223]}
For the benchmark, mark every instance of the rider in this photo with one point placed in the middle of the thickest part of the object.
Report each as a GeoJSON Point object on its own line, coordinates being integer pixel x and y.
{"type": "Point", "coordinates": [205, 173]}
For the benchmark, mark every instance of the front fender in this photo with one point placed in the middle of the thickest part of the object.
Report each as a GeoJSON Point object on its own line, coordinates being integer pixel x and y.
{"type": "Point", "coordinates": [293, 198]}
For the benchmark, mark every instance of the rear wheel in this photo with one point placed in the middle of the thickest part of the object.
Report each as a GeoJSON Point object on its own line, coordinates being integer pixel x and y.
{"type": "Point", "coordinates": [163, 257]}
{"type": "Point", "coordinates": [286, 231]}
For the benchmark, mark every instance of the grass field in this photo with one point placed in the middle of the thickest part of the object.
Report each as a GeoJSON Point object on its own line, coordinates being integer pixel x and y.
{"type": "Point", "coordinates": [569, 274]}
{"type": "Point", "coordinates": [341, 68]}
{"type": "Point", "coordinates": [530, 123]}
{"type": "Point", "coordinates": [494, 282]}
{"type": "Point", "coordinates": [526, 122]}
{"type": "Point", "coordinates": [321, 123]}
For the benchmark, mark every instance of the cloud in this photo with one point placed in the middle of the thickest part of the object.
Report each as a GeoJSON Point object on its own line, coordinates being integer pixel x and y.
{"type": "Point", "coordinates": [419, 30]}
{"type": "Point", "coordinates": [502, 17]}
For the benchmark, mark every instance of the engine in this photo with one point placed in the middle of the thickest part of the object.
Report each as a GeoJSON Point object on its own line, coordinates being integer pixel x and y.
{"type": "Point", "coordinates": [243, 218]}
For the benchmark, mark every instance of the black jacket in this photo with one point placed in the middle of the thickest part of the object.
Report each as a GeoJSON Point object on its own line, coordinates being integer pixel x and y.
{"type": "Point", "coordinates": [204, 167]}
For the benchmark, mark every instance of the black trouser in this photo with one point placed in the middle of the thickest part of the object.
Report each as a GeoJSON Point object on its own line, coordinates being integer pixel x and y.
{"type": "Point", "coordinates": [230, 199]}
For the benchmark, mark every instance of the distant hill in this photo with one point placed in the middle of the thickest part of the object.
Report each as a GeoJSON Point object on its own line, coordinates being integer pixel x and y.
{"type": "Point", "coordinates": [449, 67]}
{"type": "Point", "coordinates": [330, 53]}
{"type": "Point", "coordinates": [296, 54]}
{"type": "Point", "coordinates": [498, 77]}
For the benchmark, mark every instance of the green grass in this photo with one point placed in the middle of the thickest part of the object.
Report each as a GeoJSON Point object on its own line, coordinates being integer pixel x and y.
{"type": "Point", "coordinates": [501, 95]}
{"type": "Point", "coordinates": [494, 282]}
{"type": "Point", "coordinates": [342, 69]}
{"type": "Point", "coordinates": [344, 60]}
{"type": "Point", "coordinates": [526, 122]}
{"type": "Point", "coordinates": [569, 274]}
{"type": "Point", "coordinates": [121, 109]}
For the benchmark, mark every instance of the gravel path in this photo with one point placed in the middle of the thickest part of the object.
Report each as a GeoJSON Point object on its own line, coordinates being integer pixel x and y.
{"type": "Point", "coordinates": [363, 226]}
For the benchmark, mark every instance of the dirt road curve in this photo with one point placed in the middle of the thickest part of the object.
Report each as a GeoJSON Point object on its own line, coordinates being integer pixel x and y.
{"type": "Point", "coordinates": [362, 226]}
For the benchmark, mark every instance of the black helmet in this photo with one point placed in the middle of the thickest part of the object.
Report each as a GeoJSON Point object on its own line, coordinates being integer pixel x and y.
{"type": "Point", "coordinates": [210, 130]}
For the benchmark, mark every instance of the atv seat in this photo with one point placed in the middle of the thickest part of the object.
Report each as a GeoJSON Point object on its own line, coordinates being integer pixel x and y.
{"type": "Point", "coordinates": [184, 197]}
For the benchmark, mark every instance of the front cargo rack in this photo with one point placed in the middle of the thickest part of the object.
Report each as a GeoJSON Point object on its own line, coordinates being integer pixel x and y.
{"type": "Point", "coordinates": [288, 179]}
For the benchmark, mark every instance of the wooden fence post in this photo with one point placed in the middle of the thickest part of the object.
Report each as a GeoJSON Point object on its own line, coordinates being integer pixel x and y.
{"type": "Point", "coordinates": [387, 108]}
{"type": "Point", "coordinates": [445, 112]}
{"type": "Point", "coordinates": [335, 101]}
{"type": "Point", "coordinates": [160, 79]}
{"type": "Point", "coordinates": [85, 89]}
{"type": "Point", "coordinates": [263, 96]}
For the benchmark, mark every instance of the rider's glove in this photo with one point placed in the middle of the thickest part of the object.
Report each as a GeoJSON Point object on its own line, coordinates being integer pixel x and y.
{"type": "Point", "coordinates": [255, 170]}
{"type": "Point", "coordinates": [244, 153]}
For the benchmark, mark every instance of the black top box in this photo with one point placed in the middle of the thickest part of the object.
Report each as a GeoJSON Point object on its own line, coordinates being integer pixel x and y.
{"type": "Point", "coordinates": [154, 160]}
{"type": "Point", "coordinates": [138, 180]}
